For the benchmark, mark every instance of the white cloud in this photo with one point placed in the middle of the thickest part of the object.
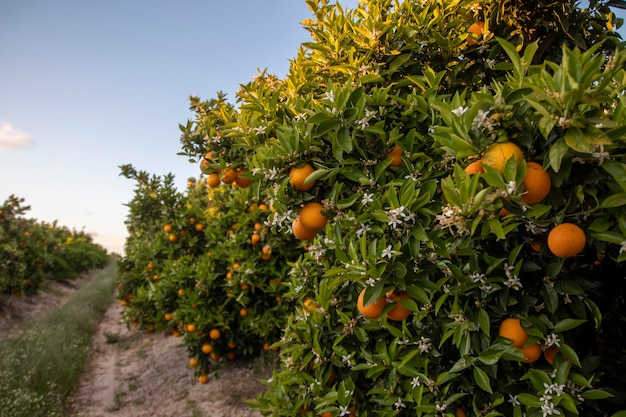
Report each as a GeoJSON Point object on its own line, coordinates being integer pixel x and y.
{"type": "Point", "coordinates": [12, 138]}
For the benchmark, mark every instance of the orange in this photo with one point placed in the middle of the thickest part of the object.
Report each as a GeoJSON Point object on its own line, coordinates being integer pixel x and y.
{"type": "Point", "coordinates": [498, 154]}
{"type": "Point", "coordinates": [167, 228]}
{"type": "Point", "coordinates": [172, 238]}
{"type": "Point", "coordinates": [550, 353]}
{"type": "Point", "coordinates": [327, 414]}
{"type": "Point", "coordinates": [266, 250]}
{"type": "Point", "coordinates": [213, 180]}
{"type": "Point", "coordinates": [532, 352]}
{"type": "Point", "coordinates": [460, 412]}
{"type": "Point", "coordinates": [511, 329]}
{"type": "Point", "coordinates": [230, 175]}
{"type": "Point", "coordinates": [266, 256]}
{"type": "Point", "coordinates": [398, 312]}
{"type": "Point", "coordinates": [301, 232]}
{"type": "Point", "coordinates": [229, 275]}
{"type": "Point", "coordinates": [263, 207]}
{"type": "Point", "coordinates": [236, 265]}
{"type": "Point", "coordinates": [231, 356]}
{"type": "Point", "coordinates": [396, 156]}
{"type": "Point", "coordinates": [215, 357]}
{"type": "Point", "coordinates": [536, 183]}
{"type": "Point", "coordinates": [475, 32]}
{"type": "Point", "coordinates": [199, 227]}
{"type": "Point", "coordinates": [266, 346]}
{"type": "Point", "coordinates": [203, 379]}
{"type": "Point", "coordinates": [176, 333]}
{"type": "Point", "coordinates": [566, 240]}
{"type": "Point", "coordinates": [207, 348]}
{"type": "Point", "coordinates": [191, 328]}
{"type": "Point", "coordinates": [475, 167]}
{"type": "Point", "coordinates": [255, 238]}
{"type": "Point", "coordinates": [372, 310]}
{"type": "Point", "coordinates": [243, 312]}
{"type": "Point", "coordinates": [244, 286]}
{"type": "Point", "coordinates": [167, 317]}
{"type": "Point", "coordinates": [240, 181]}
{"type": "Point", "coordinates": [181, 292]}
{"type": "Point", "coordinates": [193, 362]}
{"type": "Point", "coordinates": [312, 217]}
{"type": "Point", "coordinates": [310, 306]}
{"type": "Point", "coordinates": [214, 334]}
{"type": "Point", "coordinates": [150, 266]}
{"type": "Point", "coordinates": [123, 303]}
{"type": "Point", "coordinates": [258, 227]}
{"type": "Point", "coordinates": [297, 176]}
{"type": "Point", "coordinates": [232, 345]}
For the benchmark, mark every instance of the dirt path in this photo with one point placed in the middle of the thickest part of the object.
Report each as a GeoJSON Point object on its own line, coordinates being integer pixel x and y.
{"type": "Point", "coordinates": [133, 374]}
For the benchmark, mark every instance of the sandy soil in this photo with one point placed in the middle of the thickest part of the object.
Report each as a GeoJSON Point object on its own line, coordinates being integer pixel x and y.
{"type": "Point", "coordinates": [133, 374]}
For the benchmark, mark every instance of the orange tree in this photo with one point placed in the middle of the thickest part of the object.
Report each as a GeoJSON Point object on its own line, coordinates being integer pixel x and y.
{"type": "Point", "coordinates": [32, 251]}
{"type": "Point", "coordinates": [204, 265]}
{"type": "Point", "coordinates": [389, 102]}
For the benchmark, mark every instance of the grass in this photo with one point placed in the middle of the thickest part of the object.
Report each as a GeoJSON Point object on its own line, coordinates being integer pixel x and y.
{"type": "Point", "coordinates": [40, 365]}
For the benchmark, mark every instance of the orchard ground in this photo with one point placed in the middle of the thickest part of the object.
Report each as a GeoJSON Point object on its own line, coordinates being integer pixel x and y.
{"type": "Point", "coordinates": [133, 374]}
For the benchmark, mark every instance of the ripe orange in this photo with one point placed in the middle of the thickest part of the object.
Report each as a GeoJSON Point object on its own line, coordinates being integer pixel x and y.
{"type": "Point", "coordinates": [396, 156]}
{"type": "Point", "coordinates": [372, 310]}
{"type": "Point", "coordinates": [230, 175]}
{"type": "Point", "coordinates": [310, 306]}
{"type": "Point", "coordinates": [172, 238]}
{"type": "Point", "coordinates": [475, 167]}
{"type": "Point", "coordinates": [243, 312]}
{"type": "Point", "coordinates": [167, 228]}
{"type": "Point", "coordinates": [244, 286]}
{"type": "Point", "coordinates": [176, 333]}
{"type": "Point", "coordinates": [460, 412]}
{"type": "Point", "coordinates": [263, 207]}
{"type": "Point", "coordinates": [231, 356]}
{"type": "Point", "coordinates": [475, 32]}
{"type": "Point", "coordinates": [258, 227]}
{"type": "Point", "coordinates": [207, 348]}
{"type": "Point", "coordinates": [266, 256]}
{"type": "Point", "coordinates": [301, 232]}
{"type": "Point", "coordinates": [532, 352]}
{"type": "Point", "coordinates": [232, 345]}
{"type": "Point", "coordinates": [266, 250]}
{"type": "Point", "coordinates": [213, 180]}
{"type": "Point", "coordinates": [240, 181]}
{"type": "Point", "coordinates": [199, 227]}
{"type": "Point", "coordinates": [511, 329]}
{"type": "Point", "coordinates": [536, 183]}
{"type": "Point", "coordinates": [191, 328]}
{"type": "Point", "coordinates": [167, 317]}
{"type": "Point", "coordinates": [255, 238]}
{"type": "Point", "coordinates": [214, 334]}
{"type": "Point", "coordinates": [181, 292]}
{"type": "Point", "coordinates": [215, 356]}
{"type": "Point", "coordinates": [550, 353]}
{"type": "Point", "coordinates": [203, 379]}
{"type": "Point", "coordinates": [297, 176]}
{"type": "Point", "coordinates": [398, 312]}
{"type": "Point", "coordinates": [499, 153]}
{"type": "Point", "coordinates": [123, 303]}
{"type": "Point", "coordinates": [229, 275]}
{"type": "Point", "coordinates": [193, 362]}
{"type": "Point", "coordinates": [566, 240]}
{"type": "Point", "coordinates": [236, 265]}
{"type": "Point", "coordinates": [266, 346]}
{"type": "Point", "coordinates": [150, 266]}
{"type": "Point", "coordinates": [312, 217]}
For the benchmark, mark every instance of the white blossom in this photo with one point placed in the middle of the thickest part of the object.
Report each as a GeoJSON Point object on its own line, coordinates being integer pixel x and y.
{"type": "Point", "coordinates": [367, 198]}
{"type": "Point", "coordinates": [388, 252]}
{"type": "Point", "coordinates": [415, 382]}
{"type": "Point", "coordinates": [424, 344]}
{"type": "Point", "coordinates": [399, 404]}
{"type": "Point", "coordinates": [459, 110]}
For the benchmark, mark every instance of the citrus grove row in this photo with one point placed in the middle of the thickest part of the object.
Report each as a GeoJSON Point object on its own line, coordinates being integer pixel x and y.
{"type": "Point", "coordinates": [32, 251]}
{"type": "Point", "coordinates": [425, 216]}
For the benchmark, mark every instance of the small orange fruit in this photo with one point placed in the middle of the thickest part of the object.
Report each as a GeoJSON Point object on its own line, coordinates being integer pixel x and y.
{"type": "Point", "coordinates": [150, 266]}
{"type": "Point", "coordinates": [301, 232]}
{"type": "Point", "coordinates": [213, 180]}
{"type": "Point", "coordinates": [207, 348]}
{"type": "Point", "coordinates": [241, 181]}
{"type": "Point", "coordinates": [181, 292]}
{"type": "Point", "coordinates": [499, 153]}
{"type": "Point", "coordinates": [372, 310]}
{"type": "Point", "coordinates": [191, 328]}
{"type": "Point", "coordinates": [312, 217]}
{"type": "Point", "coordinates": [566, 240]}
{"type": "Point", "coordinates": [193, 362]}
{"type": "Point", "coordinates": [475, 167]}
{"type": "Point", "coordinates": [230, 175]}
{"type": "Point", "coordinates": [550, 353]}
{"type": "Point", "coordinates": [263, 207]}
{"type": "Point", "coordinates": [511, 328]}
{"type": "Point", "coordinates": [214, 334]}
{"type": "Point", "coordinates": [475, 32]}
{"type": "Point", "coordinates": [531, 352]}
{"type": "Point", "coordinates": [172, 238]}
{"type": "Point", "coordinates": [167, 317]}
{"type": "Point", "coordinates": [297, 176]}
{"type": "Point", "coordinates": [310, 306]}
{"type": "Point", "coordinates": [258, 227]}
{"type": "Point", "coordinates": [232, 345]}
{"type": "Point", "coordinates": [398, 312]}
{"type": "Point", "coordinates": [123, 303]}
{"type": "Point", "coordinates": [536, 183]}
{"type": "Point", "coordinates": [460, 412]}
{"type": "Point", "coordinates": [203, 379]}
{"type": "Point", "coordinates": [255, 238]}
{"type": "Point", "coordinates": [266, 346]}
{"type": "Point", "coordinates": [167, 228]}
{"type": "Point", "coordinates": [231, 356]}
{"type": "Point", "coordinates": [229, 275]}
{"type": "Point", "coordinates": [396, 156]}
{"type": "Point", "coordinates": [236, 265]}
{"type": "Point", "coordinates": [243, 312]}
{"type": "Point", "coordinates": [199, 227]}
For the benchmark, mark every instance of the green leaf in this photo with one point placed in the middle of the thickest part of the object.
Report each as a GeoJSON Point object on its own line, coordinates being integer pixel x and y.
{"type": "Point", "coordinates": [482, 379]}
{"type": "Point", "coordinates": [596, 394]}
{"type": "Point", "coordinates": [529, 400]}
{"type": "Point", "coordinates": [557, 152]}
{"type": "Point", "coordinates": [615, 200]}
{"type": "Point", "coordinates": [617, 170]}
{"type": "Point", "coordinates": [483, 321]}
{"type": "Point", "coordinates": [567, 324]}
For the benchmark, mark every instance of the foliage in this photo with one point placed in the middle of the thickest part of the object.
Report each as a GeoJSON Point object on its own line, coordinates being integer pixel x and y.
{"type": "Point", "coordinates": [32, 251]}
{"type": "Point", "coordinates": [546, 76]}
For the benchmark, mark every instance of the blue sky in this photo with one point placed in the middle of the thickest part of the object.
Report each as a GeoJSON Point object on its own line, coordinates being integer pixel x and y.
{"type": "Point", "coordinates": [86, 86]}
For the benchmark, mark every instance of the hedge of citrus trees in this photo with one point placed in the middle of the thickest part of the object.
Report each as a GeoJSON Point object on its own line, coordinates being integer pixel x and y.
{"type": "Point", "coordinates": [31, 250]}
{"type": "Point", "coordinates": [455, 174]}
